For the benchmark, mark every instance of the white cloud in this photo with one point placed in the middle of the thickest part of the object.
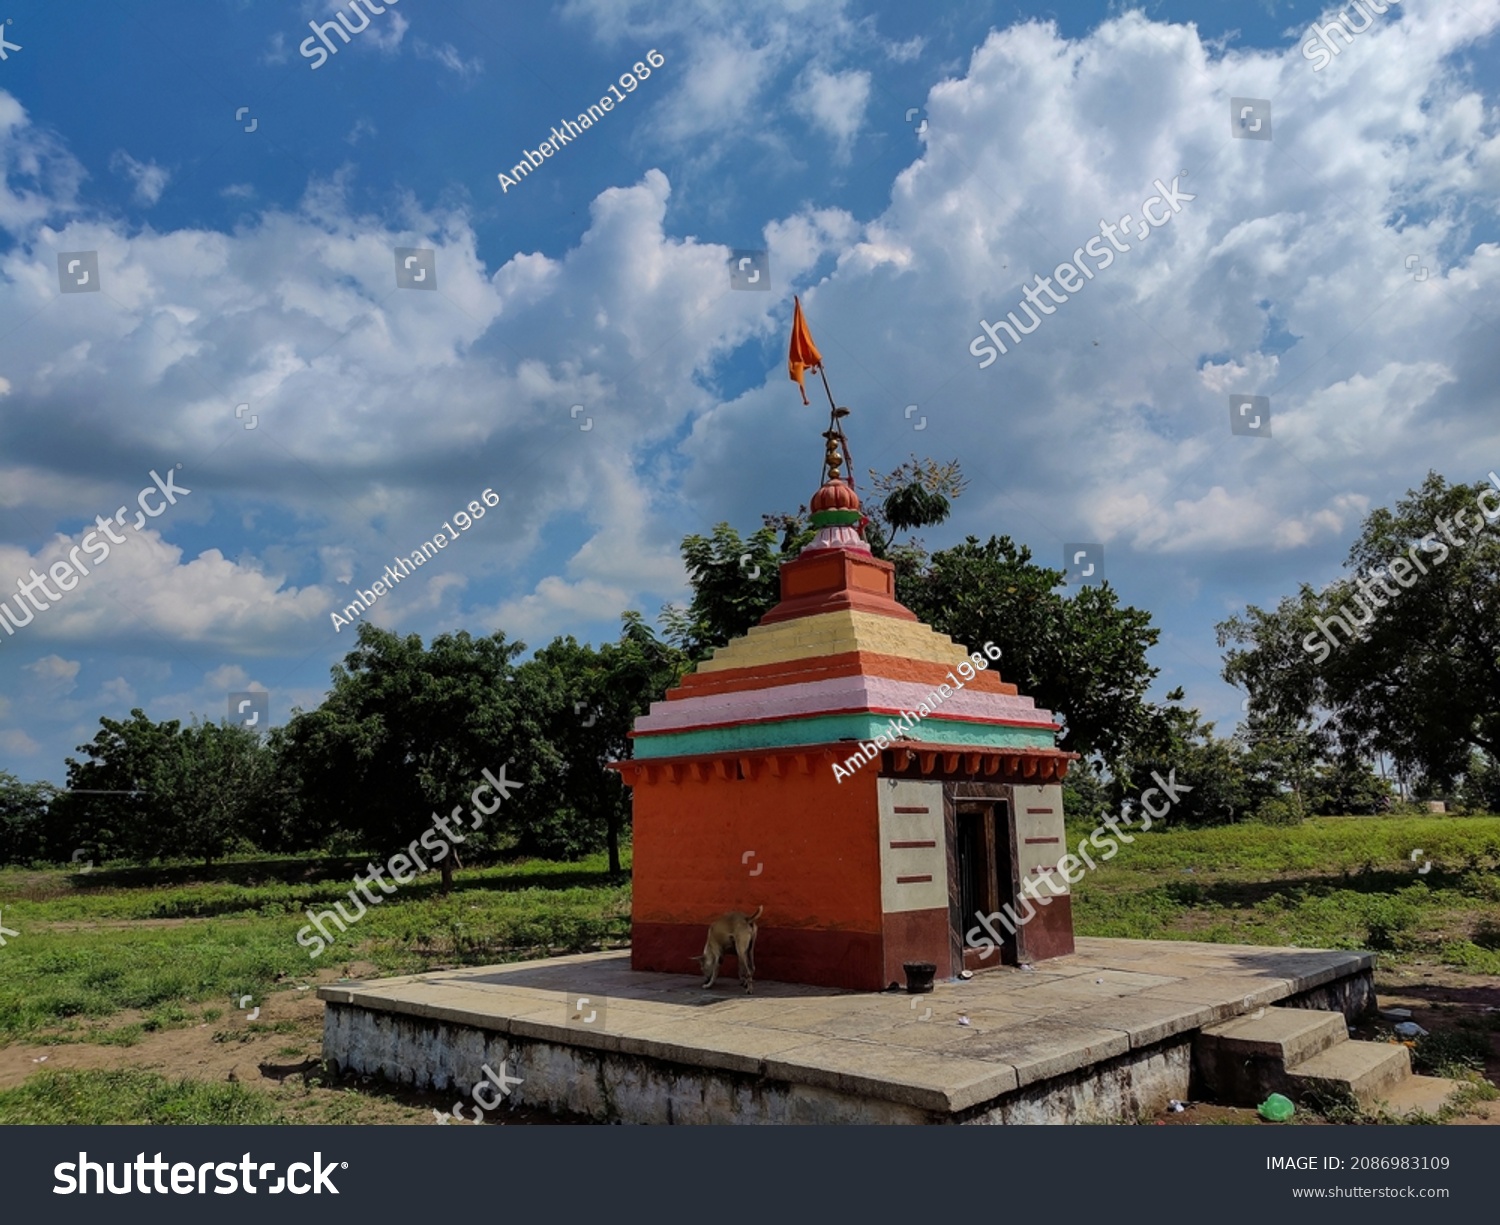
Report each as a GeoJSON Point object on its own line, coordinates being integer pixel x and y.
{"type": "Point", "coordinates": [52, 677]}
{"type": "Point", "coordinates": [227, 677]}
{"type": "Point", "coordinates": [387, 32]}
{"type": "Point", "coordinates": [150, 180]}
{"type": "Point", "coordinates": [14, 740]}
{"type": "Point", "coordinates": [145, 585]}
{"type": "Point", "coordinates": [835, 102]}
{"type": "Point", "coordinates": [117, 692]}
{"type": "Point", "coordinates": [447, 56]}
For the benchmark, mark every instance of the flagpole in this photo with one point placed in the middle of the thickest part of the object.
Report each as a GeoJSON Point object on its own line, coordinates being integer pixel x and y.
{"type": "Point", "coordinates": [834, 424]}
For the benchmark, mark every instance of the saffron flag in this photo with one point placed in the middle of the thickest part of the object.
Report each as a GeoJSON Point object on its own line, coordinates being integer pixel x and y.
{"type": "Point", "coordinates": [803, 355]}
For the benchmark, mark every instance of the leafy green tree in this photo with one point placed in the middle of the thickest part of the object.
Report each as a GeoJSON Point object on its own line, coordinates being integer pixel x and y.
{"type": "Point", "coordinates": [1277, 751]}
{"type": "Point", "coordinates": [735, 583]}
{"type": "Point", "coordinates": [215, 788]}
{"type": "Point", "coordinates": [584, 701]}
{"type": "Point", "coordinates": [916, 495]}
{"type": "Point", "coordinates": [1347, 785]}
{"type": "Point", "coordinates": [1175, 744]}
{"type": "Point", "coordinates": [23, 820]}
{"type": "Point", "coordinates": [1481, 786]}
{"type": "Point", "coordinates": [404, 735]}
{"type": "Point", "coordinates": [1402, 657]}
{"type": "Point", "coordinates": [1086, 797]}
{"type": "Point", "coordinates": [280, 822]}
{"type": "Point", "coordinates": [153, 790]}
{"type": "Point", "coordinates": [115, 803]}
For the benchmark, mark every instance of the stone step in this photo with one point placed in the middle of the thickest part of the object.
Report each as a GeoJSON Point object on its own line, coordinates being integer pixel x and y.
{"type": "Point", "coordinates": [1287, 1035]}
{"type": "Point", "coordinates": [1240, 1061]}
{"type": "Point", "coordinates": [1417, 1095]}
{"type": "Point", "coordinates": [1367, 1071]}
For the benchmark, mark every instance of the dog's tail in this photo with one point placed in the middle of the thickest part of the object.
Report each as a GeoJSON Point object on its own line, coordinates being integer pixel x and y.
{"type": "Point", "coordinates": [756, 916]}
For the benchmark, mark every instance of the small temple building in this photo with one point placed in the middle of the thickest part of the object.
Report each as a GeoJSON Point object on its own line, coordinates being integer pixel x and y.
{"type": "Point", "coordinates": [760, 781]}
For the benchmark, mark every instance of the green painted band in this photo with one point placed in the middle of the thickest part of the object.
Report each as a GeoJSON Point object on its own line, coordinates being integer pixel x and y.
{"type": "Point", "coordinates": [823, 729]}
{"type": "Point", "coordinates": [836, 518]}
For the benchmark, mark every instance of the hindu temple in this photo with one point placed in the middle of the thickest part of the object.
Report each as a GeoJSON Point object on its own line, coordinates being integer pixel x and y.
{"type": "Point", "coordinates": [836, 766]}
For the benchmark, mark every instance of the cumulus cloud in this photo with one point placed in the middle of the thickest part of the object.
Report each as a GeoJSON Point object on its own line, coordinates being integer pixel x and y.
{"type": "Point", "coordinates": [835, 102]}
{"type": "Point", "coordinates": [16, 742]}
{"type": "Point", "coordinates": [52, 677]}
{"type": "Point", "coordinates": [149, 179]}
{"type": "Point", "coordinates": [147, 587]}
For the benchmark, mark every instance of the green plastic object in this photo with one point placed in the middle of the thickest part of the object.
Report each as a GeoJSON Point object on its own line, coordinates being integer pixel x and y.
{"type": "Point", "coordinates": [1276, 1109]}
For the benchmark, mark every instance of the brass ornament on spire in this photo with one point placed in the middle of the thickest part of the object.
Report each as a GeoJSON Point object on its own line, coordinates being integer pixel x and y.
{"type": "Point", "coordinates": [832, 457]}
{"type": "Point", "coordinates": [836, 452]}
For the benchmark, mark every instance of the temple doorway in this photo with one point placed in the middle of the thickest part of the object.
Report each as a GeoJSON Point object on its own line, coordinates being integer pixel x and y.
{"type": "Point", "coordinates": [985, 870]}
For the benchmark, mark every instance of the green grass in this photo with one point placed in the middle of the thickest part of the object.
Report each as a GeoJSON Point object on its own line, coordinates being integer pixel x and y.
{"type": "Point", "coordinates": [1333, 882]}
{"type": "Point", "coordinates": [242, 940]}
{"type": "Point", "coordinates": [94, 1098]}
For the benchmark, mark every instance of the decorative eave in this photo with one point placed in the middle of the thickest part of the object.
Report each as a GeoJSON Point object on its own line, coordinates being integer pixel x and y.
{"type": "Point", "coordinates": [918, 760]}
{"type": "Point", "coordinates": [963, 763]}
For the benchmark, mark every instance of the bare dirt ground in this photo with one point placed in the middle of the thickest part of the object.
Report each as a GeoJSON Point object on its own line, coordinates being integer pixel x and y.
{"type": "Point", "coordinates": [1438, 999]}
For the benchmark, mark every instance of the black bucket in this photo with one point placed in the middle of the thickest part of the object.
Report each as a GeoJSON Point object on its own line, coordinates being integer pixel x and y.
{"type": "Point", "coordinates": [919, 976]}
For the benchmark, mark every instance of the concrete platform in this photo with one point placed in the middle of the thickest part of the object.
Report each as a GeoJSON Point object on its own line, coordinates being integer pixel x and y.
{"type": "Point", "coordinates": [1105, 1033]}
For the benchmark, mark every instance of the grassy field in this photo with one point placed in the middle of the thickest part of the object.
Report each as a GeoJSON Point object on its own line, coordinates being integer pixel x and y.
{"type": "Point", "coordinates": [1334, 882]}
{"type": "Point", "coordinates": [129, 984]}
{"type": "Point", "coordinates": [90, 947]}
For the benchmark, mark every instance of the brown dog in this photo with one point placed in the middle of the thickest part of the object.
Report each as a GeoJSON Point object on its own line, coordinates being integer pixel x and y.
{"type": "Point", "coordinates": [736, 931]}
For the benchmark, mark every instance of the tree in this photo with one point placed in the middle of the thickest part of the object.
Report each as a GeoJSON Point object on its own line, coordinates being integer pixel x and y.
{"type": "Point", "coordinates": [584, 702]}
{"type": "Point", "coordinates": [1347, 785]}
{"type": "Point", "coordinates": [114, 804]}
{"type": "Point", "coordinates": [1481, 787]}
{"type": "Point", "coordinates": [215, 788]}
{"type": "Point", "coordinates": [23, 820]}
{"type": "Point", "coordinates": [1277, 751]}
{"type": "Point", "coordinates": [735, 583]}
{"type": "Point", "coordinates": [161, 791]}
{"type": "Point", "coordinates": [917, 494]}
{"type": "Point", "coordinates": [404, 735]}
{"type": "Point", "coordinates": [1401, 657]}
{"type": "Point", "coordinates": [1174, 743]}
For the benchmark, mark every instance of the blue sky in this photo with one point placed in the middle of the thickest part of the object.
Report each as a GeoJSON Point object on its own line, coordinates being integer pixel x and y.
{"type": "Point", "coordinates": [258, 268]}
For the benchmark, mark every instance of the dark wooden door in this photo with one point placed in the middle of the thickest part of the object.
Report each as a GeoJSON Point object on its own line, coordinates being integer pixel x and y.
{"type": "Point", "coordinates": [985, 877]}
